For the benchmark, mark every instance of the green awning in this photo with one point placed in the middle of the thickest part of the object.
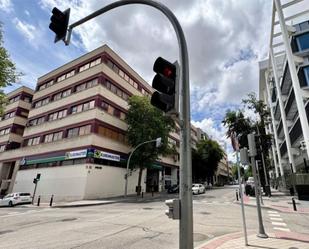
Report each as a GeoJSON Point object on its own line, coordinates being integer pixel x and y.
{"type": "Point", "coordinates": [46, 160]}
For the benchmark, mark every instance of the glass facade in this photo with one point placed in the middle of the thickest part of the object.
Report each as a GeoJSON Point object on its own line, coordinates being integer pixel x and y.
{"type": "Point", "coordinates": [302, 41]}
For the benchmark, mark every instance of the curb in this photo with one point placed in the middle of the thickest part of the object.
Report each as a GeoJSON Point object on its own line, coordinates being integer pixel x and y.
{"type": "Point", "coordinates": [83, 205]}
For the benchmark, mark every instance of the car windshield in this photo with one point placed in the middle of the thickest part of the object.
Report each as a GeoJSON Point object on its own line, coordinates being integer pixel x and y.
{"type": "Point", "coordinates": [24, 194]}
{"type": "Point", "coordinates": [8, 196]}
{"type": "Point", "coordinates": [194, 185]}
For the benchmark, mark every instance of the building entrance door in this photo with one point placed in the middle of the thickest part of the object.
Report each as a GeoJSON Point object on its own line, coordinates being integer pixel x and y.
{"type": "Point", "coordinates": [152, 180]}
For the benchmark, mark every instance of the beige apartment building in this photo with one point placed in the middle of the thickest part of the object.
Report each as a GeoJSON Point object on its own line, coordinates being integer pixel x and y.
{"type": "Point", "coordinates": [12, 126]}
{"type": "Point", "coordinates": [75, 133]}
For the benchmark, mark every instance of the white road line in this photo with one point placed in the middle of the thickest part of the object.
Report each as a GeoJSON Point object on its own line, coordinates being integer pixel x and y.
{"type": "Point", "coordinates": [282, 229]}
{"type": "Point", "coordinates": [274, 215]}
{"type": "Point", "coordinates": [276, 219]}
{"type": "Point", "coordinates": [272, 212]}
{"type": "Point", "coordinates": [278, 223]}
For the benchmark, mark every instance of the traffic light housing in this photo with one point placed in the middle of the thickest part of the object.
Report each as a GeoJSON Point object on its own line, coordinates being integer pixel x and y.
{"type": "Point", "coordinates": [173, 211]}
{"type": "Point", "coordinates": [166, 82]}
{"type": "Point", "coordinates": [59, 23]}
{"type": "Point", "coordinates": [35, 180]}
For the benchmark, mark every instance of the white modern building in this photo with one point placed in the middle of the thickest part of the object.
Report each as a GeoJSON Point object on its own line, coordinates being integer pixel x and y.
{"type": "Point", "coordinates": [284, 86]}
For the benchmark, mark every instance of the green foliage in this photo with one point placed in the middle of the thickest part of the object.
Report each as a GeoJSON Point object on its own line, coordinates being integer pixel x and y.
{"type": "Point", "coordinates": [205, 159]}
{"type": "Point", "coordinates": [145, 123]}
{"type": "Point", "coordinates": [8, 73]}
{"type": "Point", "coordinates": [235, 121]}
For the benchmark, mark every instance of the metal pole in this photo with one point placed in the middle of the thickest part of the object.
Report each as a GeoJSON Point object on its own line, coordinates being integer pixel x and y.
{"type": "Point", "coordinates": [295, 81]}
{"type": "Point", "coordinates": [128, 163]}
{"type": "Point", "coordinates": [35, 185]}
{"type": "Point", "coordinates": [241, 200]}
{"type": "Point", "coordinates": [186, 216]}
{"type": "Point", "coordinates": [259, 182]}
{"type": "Point", "coordinates": [261, 233]}
{"type": "Point", "coordinates": [263, 161]}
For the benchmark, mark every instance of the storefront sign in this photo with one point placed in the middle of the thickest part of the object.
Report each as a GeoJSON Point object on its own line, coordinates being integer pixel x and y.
{"type": "Point", "coordinates": [106, 155]}
{"type": "Point", "coordinates": [75, 154]}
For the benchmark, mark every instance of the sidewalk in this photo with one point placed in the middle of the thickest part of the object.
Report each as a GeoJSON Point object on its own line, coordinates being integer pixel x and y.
{"type": "Point", "coordinates": [278, 240]}
{"type": "Point", "coordinates": [147, 197]}
{"type": "Point", "coordinates": [280, 202]}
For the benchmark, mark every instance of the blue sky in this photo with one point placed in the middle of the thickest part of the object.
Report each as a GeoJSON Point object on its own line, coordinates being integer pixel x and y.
{"type": "Point", "coordinates": [225, 42]}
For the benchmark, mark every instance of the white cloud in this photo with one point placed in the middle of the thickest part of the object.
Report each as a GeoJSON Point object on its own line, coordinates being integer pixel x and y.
{"type": "Point", "coordinates": [6, 6]}
{"type": "Point", "coordinates": [25, 29]}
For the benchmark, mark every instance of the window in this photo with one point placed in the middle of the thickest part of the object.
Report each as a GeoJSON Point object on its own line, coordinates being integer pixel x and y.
{"type": "Point", "coordinates": [302, 41]}
{"type": "Point", "coordinates": [62, 77]}
{"type": "Point", "coordinates": [2, 148]}
{"type": "Point", "coordinates": [41, 102]}
{"type": "Point", "coordinates": [122, 116]}
{"type": "Point", "coordinates": [73, 132]}
{"type": "Point", "coordinates": [116, 113]}
{"type": "Point", "coordinates": [57, 136]}
{"type": "Point", "coordinates": [306, 72]}
{"type": "Point", "coordinates": [33, 141]}
{"type": "Point", "coordinates": [70, 74]}
{"type": "Point", "coordinates": [81, 87]}
{"type": "Point", "coordinates": [27, 99]}
{"type": "Point", "coordinates": [5, 131]}
{"type": "Point", "coordinates": [116, 90]}
{"type": "Point", "coordinates": [83, 130]}
{"type": "Point", "coordinates": [106, 132]}
{"type": "Point", "coordinates": [16, 98]}
{"type": "Point", "coordinates": [66, 93]}
{"type": "Point", "coordinates": [83, 107]}
{"type": "Point", "coordinates": [53, 137]}
{"type": "Point", "coordinates": [104, 106]}
{"type": "Point", "coordinates": [9, 115]}
{"type": "Point", "coordinates": [90, 64]}
{"type": "Point", "coordinates": [57, 115]}
{"type": "Point", "coordinates": [57, 96]}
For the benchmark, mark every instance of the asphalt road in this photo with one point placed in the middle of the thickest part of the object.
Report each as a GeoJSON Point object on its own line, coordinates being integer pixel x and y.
{"type": "Point", "coordinates": [130, 225]}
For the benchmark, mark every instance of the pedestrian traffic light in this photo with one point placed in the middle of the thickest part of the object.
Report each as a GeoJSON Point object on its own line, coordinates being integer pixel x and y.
{"type": "Point", "coordinates": [173, 211]}
{"type": "Point", "coordinates": [59, 23]}
{"type": "Point", "coordinates": [166, 82]}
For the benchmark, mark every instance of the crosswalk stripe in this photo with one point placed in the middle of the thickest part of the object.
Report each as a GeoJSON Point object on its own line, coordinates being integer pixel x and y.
{"type": "Point", "coordinates": [282, 229]}
{"type": "Point", "coordinates": [274, 215]}
{"type": "Point", "coordinates": [278, 223]}
{"type": "Point", "coordinates": [276, 219]}
{"type": "Point", "coordinates": [272, 212]}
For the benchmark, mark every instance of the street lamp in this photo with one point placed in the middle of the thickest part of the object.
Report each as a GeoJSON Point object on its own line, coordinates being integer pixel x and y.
{"type": "Point", "coordinates": [158, 144]}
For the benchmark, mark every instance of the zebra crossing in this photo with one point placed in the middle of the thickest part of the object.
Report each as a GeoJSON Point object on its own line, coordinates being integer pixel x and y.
{"type": "Point", "coordinates": [277, 221]}
{"type": "Point", "coordinates": [22, 212]}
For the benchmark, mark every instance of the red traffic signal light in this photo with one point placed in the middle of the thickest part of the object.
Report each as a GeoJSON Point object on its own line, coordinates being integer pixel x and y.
{"type": "Point", "coordinates": [59, 23]}
{"type": "Point", "coordinates": [165, 82]}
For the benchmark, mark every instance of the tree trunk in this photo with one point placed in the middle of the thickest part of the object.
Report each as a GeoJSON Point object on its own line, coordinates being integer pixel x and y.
{"type": "Point", "coordinates": [139, 181]}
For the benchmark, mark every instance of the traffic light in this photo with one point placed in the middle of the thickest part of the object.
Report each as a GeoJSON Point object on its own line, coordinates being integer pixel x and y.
{"type": "Point", "coordinates": [59, 23]}
{"type": "Point", "coordinates": [173, 211]}
{"type": "Point", "coordinates": [166, 82]}
{"type": "Point", "coordinates": [35, 180]}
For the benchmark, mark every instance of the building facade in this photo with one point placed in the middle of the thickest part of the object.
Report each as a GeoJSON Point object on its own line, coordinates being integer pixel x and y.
{"type": "Point", "coordinates": [75, 134]}
{"type": "Point", "coordinates": [283, 86]}
{"type": "Point", "coordinates": [12, 126]}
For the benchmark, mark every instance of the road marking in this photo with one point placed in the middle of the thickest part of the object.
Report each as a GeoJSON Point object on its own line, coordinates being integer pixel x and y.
{"type": "Point", "coordinates": [276, 219]}
{"type": "Point", "coordinates": [282, 229]}
{"type": "Point", "coordinates": [278, 223]}
{"type": "Point", "coordinates": [274, 215]}
{"type": "Point", "coordinates": [13, 213]}
{"type": "Point", "coordinates": [272, 212]}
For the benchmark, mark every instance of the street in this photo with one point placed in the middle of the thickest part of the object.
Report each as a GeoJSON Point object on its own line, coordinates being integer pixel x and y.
{"type": "Point", "coordinates": [132, 225]}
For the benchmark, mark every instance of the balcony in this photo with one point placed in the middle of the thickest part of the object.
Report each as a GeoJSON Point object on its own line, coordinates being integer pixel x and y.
{"type": "Point", "coordinates": [295, 132]}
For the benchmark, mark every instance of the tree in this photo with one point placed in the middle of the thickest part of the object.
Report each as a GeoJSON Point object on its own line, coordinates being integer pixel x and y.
{"type": "Point", "coordinates": [8, 73]}
{"type": "Point", "coordinates": [205, 159]}
{"type": "Point", "coordinates": [236, 122]}
{"type": "Point", "coordinates": [145, 123]}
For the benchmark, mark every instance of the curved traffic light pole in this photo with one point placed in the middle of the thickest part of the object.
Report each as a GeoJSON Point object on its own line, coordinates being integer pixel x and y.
{"type": "Point", "coordinates": [186, 216]}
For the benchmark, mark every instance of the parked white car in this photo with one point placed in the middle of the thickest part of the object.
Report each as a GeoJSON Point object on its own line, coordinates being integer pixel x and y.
{"type": "Point", "coordinates": [198, 188]}
{"type": "Point", "coordinates": [15, 199]}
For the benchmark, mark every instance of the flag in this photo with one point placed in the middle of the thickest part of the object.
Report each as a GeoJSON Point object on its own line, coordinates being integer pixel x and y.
{"type": "Point", "coordinates": [235, 143]}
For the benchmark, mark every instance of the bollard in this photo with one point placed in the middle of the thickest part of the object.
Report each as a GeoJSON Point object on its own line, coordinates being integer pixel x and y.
{"type": "Point", "coordinates": [39, 200]}
{"type": "Point", "coordinates": [142, 194]}
{"type": "Point", "coordinates": [237, 195]}
{"type": "Point", "coordinates": [51, 200]}
{"type": "Point", "coordinates": [294, 204]}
